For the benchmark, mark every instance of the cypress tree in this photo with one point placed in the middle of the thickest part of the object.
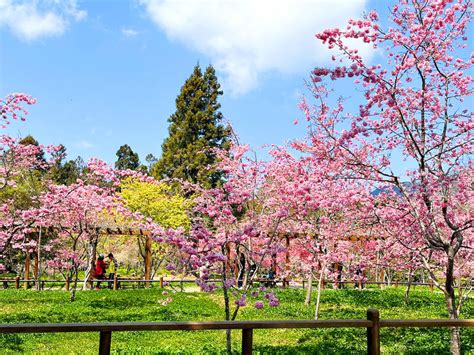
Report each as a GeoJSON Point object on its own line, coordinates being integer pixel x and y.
{"type": "Point", "coordinates": [195, 130]}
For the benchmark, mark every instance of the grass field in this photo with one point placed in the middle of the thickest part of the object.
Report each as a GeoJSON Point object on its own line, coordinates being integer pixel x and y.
{"type": "Point", "coordinates": [28, 306]}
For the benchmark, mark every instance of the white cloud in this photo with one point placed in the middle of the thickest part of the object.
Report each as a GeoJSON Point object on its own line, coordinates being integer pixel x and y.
{"type": "Point", "coordinates": [129, 32]}
{"type": "Point", "coordinates": [30, 20]}
{"type": "Point", "coordinates": [246, 38]}
{"type": "Point", "coordinates": [84, 144]}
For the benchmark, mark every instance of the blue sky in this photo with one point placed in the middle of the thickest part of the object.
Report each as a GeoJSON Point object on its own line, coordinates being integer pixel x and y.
{"type": "Point", "coordinates": [106, 73]}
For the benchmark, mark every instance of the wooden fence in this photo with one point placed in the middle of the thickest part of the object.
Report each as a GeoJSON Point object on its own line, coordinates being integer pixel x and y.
{"type": "Point", "coordinates": [373, 323]}
{"type": "Point", "coordinates": [117, 282]}
{"type": "Point", "coordinates": [120, 282]}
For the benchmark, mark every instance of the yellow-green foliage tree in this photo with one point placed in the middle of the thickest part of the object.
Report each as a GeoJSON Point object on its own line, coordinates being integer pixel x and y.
{"type": "Point", "coordinates": [160, 203]}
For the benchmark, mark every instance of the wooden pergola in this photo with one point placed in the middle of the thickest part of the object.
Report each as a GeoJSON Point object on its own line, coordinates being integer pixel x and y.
{"type": "Point", "coordinates": [106, 229]}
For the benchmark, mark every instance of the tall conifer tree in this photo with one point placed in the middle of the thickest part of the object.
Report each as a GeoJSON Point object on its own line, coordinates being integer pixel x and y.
{"type": "Point", "coordinates": [195, 130]}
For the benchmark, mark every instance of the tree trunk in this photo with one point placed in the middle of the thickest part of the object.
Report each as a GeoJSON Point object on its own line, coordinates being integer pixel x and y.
{"type": "Point", "coordinates": [455, 331]}
{"type": "Point", "coordinates": [318, 298]}
{"type": "Point", "coordinates": [240, 269]}
{"type": "Point", "coordinates": [228, 334]}
{"type": "Point", "coordinates": [450, 297]}
{"type": "Point", "coordinates": [74, 287]}
{"type": "Point", "coordinates": [91, 258]}
{"type": "Point", "coordinates": [273, 266]}
{"type": "Point", "coordinates": [407, 292]}
{"type": "Point", "coordinates": [455, 341]}
{"type": "Point", "coordinates": [286, 281]}
{"type": "Point", "coordinates": [377, 257]}
{"type": "Point", "coordinates": [38, 261]}
{"type": "Point", "coordinates": [387, 275]}
{"type": "Point", "coordinates": [309, 290]}
{"type": "Point", "coordinates": [248, 275]}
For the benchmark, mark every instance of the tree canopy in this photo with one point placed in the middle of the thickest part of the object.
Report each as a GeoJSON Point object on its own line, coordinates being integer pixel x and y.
{"type": "Point", "coordinates": [156, 201]}
{"type": "Point", "coordinates": [127, 158]}
{"type": "Point", "coordinates": [195, 131]}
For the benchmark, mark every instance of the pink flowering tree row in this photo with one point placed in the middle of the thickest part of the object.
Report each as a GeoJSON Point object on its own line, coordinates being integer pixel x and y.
{"type": "Point", "coordinates": [55, 222]}
{"type": "Point", "coordinates": [264, 210]}
{"type": "Point", "coordinates": [414, 109]}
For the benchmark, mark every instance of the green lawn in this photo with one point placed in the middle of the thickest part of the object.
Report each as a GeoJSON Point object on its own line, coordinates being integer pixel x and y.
{"type": "Point", "coordinates": [28, 306]}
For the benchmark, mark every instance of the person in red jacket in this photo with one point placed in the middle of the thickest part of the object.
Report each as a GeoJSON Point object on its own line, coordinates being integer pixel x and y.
{"type": "Point", "coordinates": [100, 270]}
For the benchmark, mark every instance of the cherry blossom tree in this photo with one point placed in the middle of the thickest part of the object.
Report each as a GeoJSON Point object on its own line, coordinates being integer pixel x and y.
{"type": "Point", "coordinates": [325, 211]}
{"type": "Point", "coordinates": [246, 225]}
{"type": "Point", "coordinates": [413, 109]}
{"type": "Point", "coordinates": [235, 231]}
{"type": "Point", "coordinates": [11, 107]}
{"type": "Point", "coordinates": [77, 211]}
{"type": "Point", "coordinates": [20, 185]}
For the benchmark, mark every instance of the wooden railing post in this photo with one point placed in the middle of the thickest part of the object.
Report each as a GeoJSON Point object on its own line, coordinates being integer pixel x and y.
{"type": "Point", "coordinates": [115, 282]}
{"type": "Point", "coordinates": [373, 333]}
{"type": "Point", "coordinates": [161, 282]}
{"type": "Point", "coordinates": [105, 341]}
{"type": "Point", "coordinates": [247, 340]}
{"type": "Point", "coordinates": [17, 282]}
{"type": "Point", "coordinates": [67, 283]}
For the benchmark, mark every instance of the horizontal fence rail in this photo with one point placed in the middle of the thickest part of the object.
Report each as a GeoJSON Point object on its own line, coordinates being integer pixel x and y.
{"type": "Point", "coordinates": [373, 323]}
{"type": "Point", "coordinates": [120, 283]}
{"type": "Point", "coordinates": [291, 282]}
{"type": "Point", "coordinates": [115, 282]}
{"type": "Point", "coordinates": [426, 323]}
{"type": "Point", "coordinates": [160, 326]}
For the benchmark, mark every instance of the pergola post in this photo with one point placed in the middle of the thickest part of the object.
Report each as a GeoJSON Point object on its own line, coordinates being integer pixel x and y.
{"type": "Point", "coordinates": [147, 261]}
{"type": "Point", "coordinates": [36, 271]}
{"type": "Point", "coordinates": [27, 269]}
